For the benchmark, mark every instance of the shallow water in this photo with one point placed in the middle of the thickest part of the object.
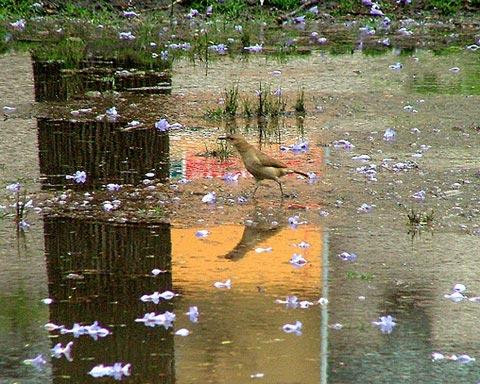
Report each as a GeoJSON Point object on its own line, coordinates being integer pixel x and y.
{"type": "Point", "coordinates": [239, 332]}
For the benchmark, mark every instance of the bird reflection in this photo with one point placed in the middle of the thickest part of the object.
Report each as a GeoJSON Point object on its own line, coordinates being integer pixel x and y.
{"type": "Point", "coordinates": [262, 228]}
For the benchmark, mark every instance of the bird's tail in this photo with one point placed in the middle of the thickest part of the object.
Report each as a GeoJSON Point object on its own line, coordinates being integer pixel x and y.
{"type": "Point", "coordinates": [299, 173]}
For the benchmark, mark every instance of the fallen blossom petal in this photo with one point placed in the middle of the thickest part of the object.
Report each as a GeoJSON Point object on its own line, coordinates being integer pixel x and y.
{"type": "Point", "coordinates": [386, 324]}
{"type": "Point", "coordinates": [202, 233]}
{"type": "Point", "coordinates": [293, 328]}
{"type": "Point", "coordinates": [459, 288]}
{"type": "Point", "coordinates": [347, 256]}
{"type": "Point", "coordinates": [336, 326]}
{"type": "Point", "coordinates": [38, 362]}
{"type": "Point", "coordinates": [263, 250]}
{"type": "Point", "coordinates": [365, 208]}
{"type": "Point", "coordinates": [53, 327]}
{"type": "Point", "coordinates": [390, 134]}
{"type": "Point", "coordinates": [322, 301]}
{"type": "Point", "coordinates": [79, 177]}
{"type": "Point", "coordinates": [220, 284]}
{"type": "Point", "coordinates": [58, 351]}
{"type": "Point", "coordinates": [298, 260]}
{"type": "Point", "coordinates": [456, 297]}
{"type": "Point", "coordinates": [193, 314]}
{"type": "Point", "coordinates": [182, 332]}
{"type": "Point", "coordinates": [209, 198]}
{"type": "Point", "coordinates": [290, 301]}
{"type": "Point", "coordinates": [437, 356]}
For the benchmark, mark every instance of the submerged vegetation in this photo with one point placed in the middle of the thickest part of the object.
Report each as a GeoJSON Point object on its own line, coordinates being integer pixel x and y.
{"type": "Point", "coordinates": [222, 151]}
{"type": "Point", "coordinates": [266, 103]}
{"type": "Point", "coordinates": [420, 218]}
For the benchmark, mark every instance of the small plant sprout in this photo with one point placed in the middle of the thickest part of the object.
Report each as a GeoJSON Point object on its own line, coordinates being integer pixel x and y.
{"type": "Point", "coordinates": [20, 205]}
{"type": "Point", "coordinates": [231, 101]}
{"type": "Point", "coordinates": [300, 103]}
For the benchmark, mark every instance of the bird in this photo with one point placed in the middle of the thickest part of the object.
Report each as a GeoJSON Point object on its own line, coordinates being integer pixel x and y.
{"type": "Point", "coordinates": [260, 165]}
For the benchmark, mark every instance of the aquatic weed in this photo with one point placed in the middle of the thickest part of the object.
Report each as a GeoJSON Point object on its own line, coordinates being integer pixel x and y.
{"type": "Point", "coordinates": [420, 218]}
{"type": "Point", "coordinates": [270, 104]}
{"type": "Point", "coordinates": [300, 103]}
{"type": "Point", "coordinates": [231, 101]}
{"type": "Point", "coordinates": [222, 151]}
{"type": "Point", "coordinates": [20, 205]}
{"type": "Point", "coordinates": [247, 108]}
{"type": "Point", "coordinates": [261, 102]}
{"type": "Point", "coordinates": [361, 276]}
{"type": "Point", "coordinates": [214, 113]}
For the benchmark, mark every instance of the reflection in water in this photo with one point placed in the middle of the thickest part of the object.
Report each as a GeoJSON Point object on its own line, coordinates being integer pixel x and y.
{"type": "Point", "coordinates": [406, 282]}
{"type": "Point", "coordinates": [262, 226]}
{"type": "Point", "coordinates": [252, 235]}
{"type": "Point", "coordinates": [188, 158]}
{"type": "Point", "coordinates": [115, 262]}
{"type": "Point", "coordinates": [402, 356]}
{"type": "Point", "coordinates": [54, 82]}
{"type": "Point", "coordinates": [240, 329]}
{"type": "Point", "coordinates": [102, 149]}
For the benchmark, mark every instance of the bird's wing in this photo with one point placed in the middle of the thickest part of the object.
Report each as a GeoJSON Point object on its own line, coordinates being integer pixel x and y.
{"type": "Point", "coordinates": [268, 161]}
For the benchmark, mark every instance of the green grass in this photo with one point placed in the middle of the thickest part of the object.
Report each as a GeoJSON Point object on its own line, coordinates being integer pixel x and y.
{"type": "Point", "coordinates": [345, 7]}
{"type": "Point", "coordinates": [419, 218]}
{"type": "Point", "coordinates": [284, 5]}
{"type": "Point", "coordinates": [231, 101]}
{"type": "Point", "coordinates": [13, 9]}
{"type": "Point", "coordinates": [247, 108]}
{"type": "Point", "coordinates": [361, 276]}
{"type": "Point", "coordinates": [222, 151]}
{"type": "Point", "coordinates": [300, 103]}
{"type": "Point", "coordinates": [446, 7]}
{"type": "Point", "coordinates": [214, 113]}
{"type": "Point", "coordinates": [70, 51]}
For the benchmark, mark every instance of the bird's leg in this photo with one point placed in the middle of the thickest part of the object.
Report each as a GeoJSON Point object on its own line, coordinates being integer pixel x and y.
{"type": "Point", "coordinates": [281, 188]}
{"type": "Point", "coordinates": [257, 184]}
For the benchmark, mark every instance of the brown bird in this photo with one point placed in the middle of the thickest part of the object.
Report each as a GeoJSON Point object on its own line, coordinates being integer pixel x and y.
{"type": "Point", "coordinates": [260, 165]}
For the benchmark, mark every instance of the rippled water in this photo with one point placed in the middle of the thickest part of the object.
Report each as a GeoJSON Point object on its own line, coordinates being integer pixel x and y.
{"type": "Point", "coordinates": [239, 332]}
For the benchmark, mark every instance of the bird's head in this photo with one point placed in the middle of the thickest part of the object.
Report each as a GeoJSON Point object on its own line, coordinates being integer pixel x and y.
{"type": "Point", "coordinates": [237, 140]}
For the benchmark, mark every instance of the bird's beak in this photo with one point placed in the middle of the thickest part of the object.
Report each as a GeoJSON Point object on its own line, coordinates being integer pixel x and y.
{"type": "Point", "coordinates": [222, 138]}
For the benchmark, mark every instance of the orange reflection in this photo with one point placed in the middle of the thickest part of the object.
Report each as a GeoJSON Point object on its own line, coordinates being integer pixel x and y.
{"type": "Point", "coordinates": [198, 263]}
{"type": "Point", "coordinates": [191, 165]}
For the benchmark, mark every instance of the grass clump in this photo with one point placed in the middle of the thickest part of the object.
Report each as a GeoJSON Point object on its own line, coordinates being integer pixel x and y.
{"type": "Point", "coordinates": [231, 101]}
{"type": "Point", "coordinates": [361, 276]}
{"type": "Point", "coordinates": [70, 51]}
{"type": "Point", "coordinates": [419, 218]}
{"type": "Point", "coordinates": [247, 108]}
{"type": "Point", "coordinates": [300, 103]}
{"type": "Point", "coordinates": [221, 151]}
{"type": "Point", "coordinates": [446, 7]}
{"type": "Point", "coordinates": [270, 104]}
{"type": "Point", "coordinates": [214, 113]}
{"type": "Point", "coordinates": [10, 9]}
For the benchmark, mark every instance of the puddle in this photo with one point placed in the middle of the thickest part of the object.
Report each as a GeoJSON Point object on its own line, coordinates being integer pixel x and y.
{"type": "Point", "coordinates": [96, 263]}
{"type": "Point", "coordinates": [106, 152]}
{"type": "Point", "coordinates": [54, 81]}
